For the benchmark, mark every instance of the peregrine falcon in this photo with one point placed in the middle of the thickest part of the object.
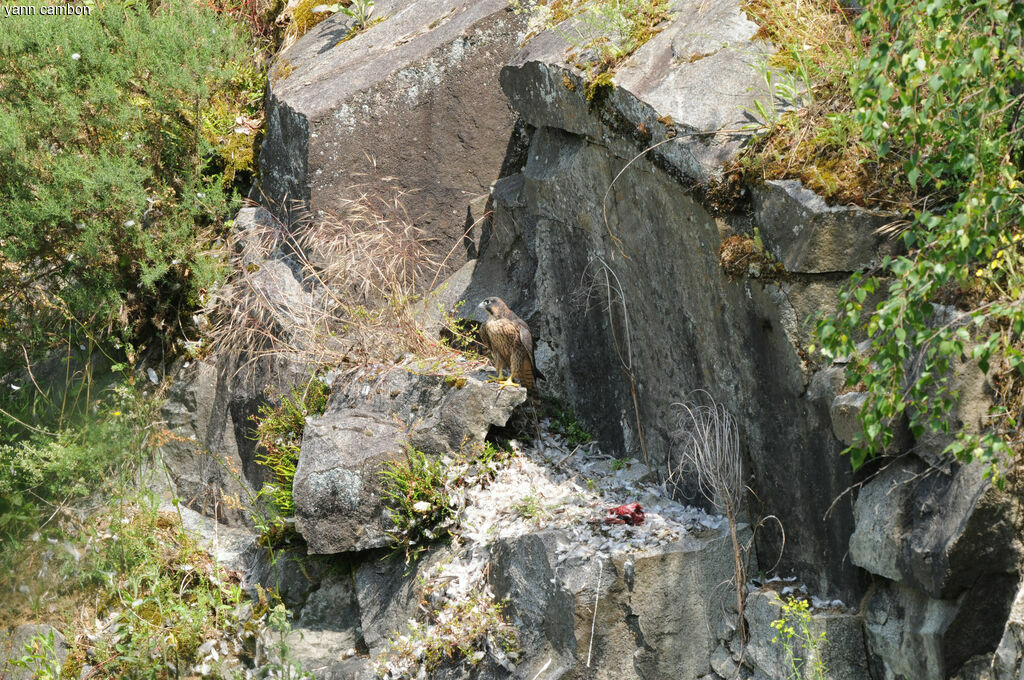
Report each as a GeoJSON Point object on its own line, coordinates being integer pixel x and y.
{"type": "Point", "coordinates": [509, 343]}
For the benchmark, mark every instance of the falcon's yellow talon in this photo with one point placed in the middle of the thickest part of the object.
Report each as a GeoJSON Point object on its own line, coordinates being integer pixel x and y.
{"type": "Point", "coordinates": [503, 382]}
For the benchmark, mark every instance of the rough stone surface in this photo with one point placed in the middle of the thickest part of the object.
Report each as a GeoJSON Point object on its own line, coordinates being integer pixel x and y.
{"type": "Point", "coordinates": [845, 412]}
{"type": "Point", "coordinates": [328, 654]}
{"type": "Point", "coordinates": [12, 648]}
{"type": "Point", "coordinates": [905, 630]}
{"type": "Point", "coordinates": [844, 653]}
{"type": "Point", "coordinates": [1008, 661]}
{"type": "Point", "coordinates": [696, 75]}
{"type": "Point", "coordinates": [211, 454]}
{"type": "Point", "coordinates": [917, 637]}
{"type": "Point", "coordinates": [810, 237]}
{"type": "Point", "coordinates": [337, 490]}
{"type": "Point", "coordinates": [940, 533]}
{"type": "Point", "coordinates": [388, 593]}
{"type": "Point", "coordinates": [690, 327]}
{"type": "Point", "coordinates": [654, 616]}
{"type": "Point", "coordinates": [414, 97]}
{"type": "Point", "coordinates": [231, 547]}
{"type": "Point", "coordinates": [292, 573]}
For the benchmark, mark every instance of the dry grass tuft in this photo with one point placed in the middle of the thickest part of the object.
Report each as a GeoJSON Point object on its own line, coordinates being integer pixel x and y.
{"type": "Point", "coordinates": [819, 141]}
{"type": "Point", "coordinates": [331, 289]}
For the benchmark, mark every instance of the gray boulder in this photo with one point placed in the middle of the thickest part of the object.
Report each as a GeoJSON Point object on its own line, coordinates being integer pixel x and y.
{"type": "Point", "coordinates": [389, 593]}
{"type": "Point", "coordinates": [338, 507]}
{"type": "Point", "coordinates": [414, 97]}
{"type": "Point", "coordinates": [695, 76]}
{"type": "Point", "coordinates": [845, 413]}
{"type": "Point", "coordinates": [940, 533]}
{"type": "Point", "coordinates": [211, 453]}
{"type": "Point", "coordinates": [655, 610]}
{"type": "Point", "coordinates": [32, 640]}
{"type": "Point", "coordinates": [810, 237]}
{"type": "Point", "coordinates": [842, 651]}
{"type": "Point", "coordinates": [1008, 661]}
{"type": "Point", "coordinates": [917, 637]}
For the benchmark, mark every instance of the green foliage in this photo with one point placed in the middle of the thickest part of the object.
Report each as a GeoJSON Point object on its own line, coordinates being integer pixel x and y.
{"type": "Point", "coordinates": [40, 657]}
{"type": "Point", "coordinates": [170, 596]}
{"type": "Point", "coordinates": [283, 665]}
{"type": "Point", "coordinates": [117, 150]}
{"type": "Point", "coordinates": [157, 592]}
{"type": "Point", "coordinates": [358, 10]}
{"type": "Point", "coordinates": [279, 435]}
{"type": "Point", "coordinates": [794, 632]}
{"type": "Point", "coordinates": [941, 89]}
{"type": "Point", "coordinates": [806, 127]}
{"type": "Point", "coordinates": [67, 462]}
{"type": "Point", "coordinates": [565, 424]}
{"type": "Point", "coordinates": [529, 507]}
{"type": "Point", "coordinates": [416, 491]}
{"type": "Point", "coordinates": [422, 492]}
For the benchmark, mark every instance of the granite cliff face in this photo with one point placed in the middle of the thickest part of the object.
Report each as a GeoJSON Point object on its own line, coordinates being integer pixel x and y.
{"type": "Point", "coordinates": [604, 231]}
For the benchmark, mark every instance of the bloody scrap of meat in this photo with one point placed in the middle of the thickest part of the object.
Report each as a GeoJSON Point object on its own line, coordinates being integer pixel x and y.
{"type": "Point", "coordinates": [630, 513]}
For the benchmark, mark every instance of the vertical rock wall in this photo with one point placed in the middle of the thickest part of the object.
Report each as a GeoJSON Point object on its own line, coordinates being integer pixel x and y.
{"type": "Point", "coordinates": [413, 98]}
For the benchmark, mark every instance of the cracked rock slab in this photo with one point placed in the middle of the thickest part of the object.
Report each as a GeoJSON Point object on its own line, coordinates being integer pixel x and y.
{"type": "Point", "coordinates": [338, 505]}
{"type": "Point", "coordinates": [696, 75]}
{"type": "Point", "coordinates": [808, 236]}
{"type": "Point", "coordinates": [414, 97]}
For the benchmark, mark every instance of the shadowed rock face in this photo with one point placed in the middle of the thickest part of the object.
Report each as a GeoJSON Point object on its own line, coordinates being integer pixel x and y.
{"type": "Point", "coordinates": [415, 97]}
{"type": "Point", "coordinates": [211, 453]}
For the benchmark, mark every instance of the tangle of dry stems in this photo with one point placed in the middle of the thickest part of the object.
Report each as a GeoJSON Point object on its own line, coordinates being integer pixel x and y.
{"type": "Point", "coordinates": [360, 271]}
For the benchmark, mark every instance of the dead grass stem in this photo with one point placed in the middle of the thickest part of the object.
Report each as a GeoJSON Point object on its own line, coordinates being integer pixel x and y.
{"type": "Point", "coordinates": [358, 273]}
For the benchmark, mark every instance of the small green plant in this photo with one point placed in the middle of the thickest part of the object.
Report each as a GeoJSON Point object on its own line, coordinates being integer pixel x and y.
{"type": "Point", "coordinates": [359, 10]}
{"type": "Point", "coordinates": [282, 663]}
{"type": "Point", "coordinates": [603, 32]}
{"type": "Point", "coordinates": [794, 631]}
{"type": "Point", "coordinates": [41, 657]}
{"type": "Point", "coordinates": [529, 507]}
{"type": "Point", "coordinates": [279, 432]}
{"type": "Point", "coordinates": [416, 490]}
{"type": "Point", "coordinates": [565, 424]}
{"type": "Point", "coordinates": [783, 89]}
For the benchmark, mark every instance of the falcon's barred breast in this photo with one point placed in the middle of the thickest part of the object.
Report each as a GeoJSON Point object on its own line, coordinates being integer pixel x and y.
{"type": "Point", "coordinates": [509, 342]}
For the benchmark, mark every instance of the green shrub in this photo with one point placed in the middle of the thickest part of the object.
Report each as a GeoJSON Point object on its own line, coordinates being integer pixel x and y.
{"type": "Point", "coordinates": [565, 424]}
{"type": "Point", "coordinates": [44, 469]}
{"type": "Point", "coordinates": [941, 87]}
{"type": "Point", "coordinates": [416, 491]}
{"type": "Point", "coordinates": [279, 434]}
{"type": "Point", "coordinates": [116, 141]}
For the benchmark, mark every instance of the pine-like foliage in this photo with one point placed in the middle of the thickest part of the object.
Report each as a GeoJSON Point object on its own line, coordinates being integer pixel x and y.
{"type": "Point", "coordinates": [111, 180]}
